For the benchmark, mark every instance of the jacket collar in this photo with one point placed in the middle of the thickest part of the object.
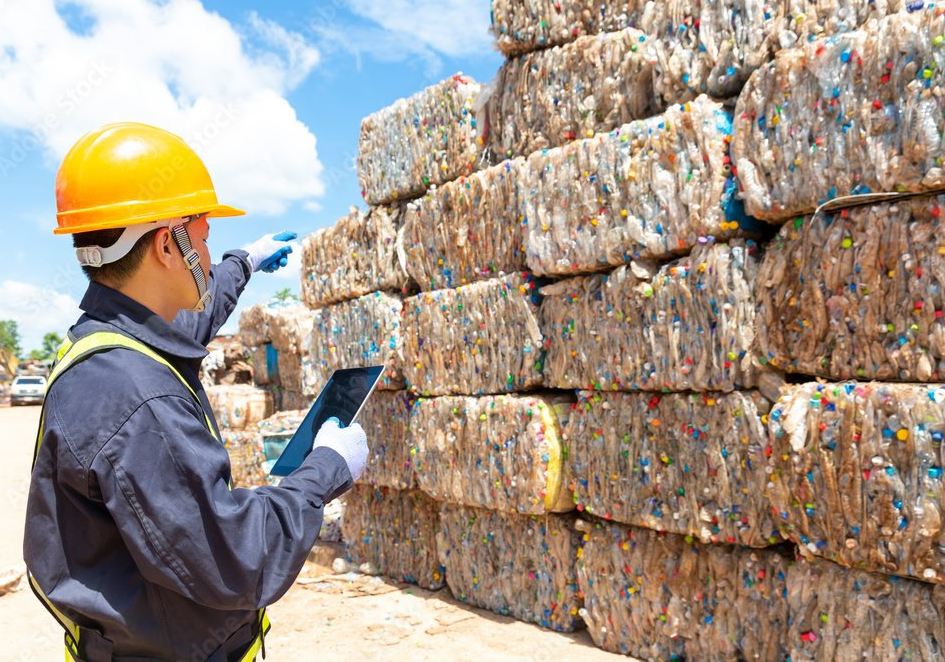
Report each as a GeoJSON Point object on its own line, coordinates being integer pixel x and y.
{"type": "Point", "coordinates": [130, 317]}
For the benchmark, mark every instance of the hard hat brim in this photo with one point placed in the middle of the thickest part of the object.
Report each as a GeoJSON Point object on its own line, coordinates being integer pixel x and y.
{"type": "Point", "coordinates": [213, 211]}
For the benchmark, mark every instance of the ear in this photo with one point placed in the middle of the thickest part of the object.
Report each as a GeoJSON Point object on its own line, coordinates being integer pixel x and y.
{"type": "Point", "coordinates": [164, 248]}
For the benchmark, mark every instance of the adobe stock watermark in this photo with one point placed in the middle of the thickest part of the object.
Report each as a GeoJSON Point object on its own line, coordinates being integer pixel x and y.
{"type": "Point", "coordinates": [34, 137]}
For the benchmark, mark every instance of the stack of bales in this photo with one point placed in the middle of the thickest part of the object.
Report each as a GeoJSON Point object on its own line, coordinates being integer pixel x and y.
{"type": "Point", "coordinates": [600, 327]}
{"type": "Point", "coordinates": [275, 332]}
{"type": "Point", "coordinates": [624, 207]}
{"type": "Point", "coordinates": [668, 433]}
{"type": "Point", "coordinates": [603, 58]}
{"type": "Point", "coordinates": [355, 281]}
{"type": "Point", "coordinates": [239, 409]}
{"type": "Point", "coordinates": [847, 295]}
{"type": "Point", "coordinates": [485, 438]}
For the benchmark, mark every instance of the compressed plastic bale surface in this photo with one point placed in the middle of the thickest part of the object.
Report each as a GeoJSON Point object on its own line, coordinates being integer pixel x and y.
{"type": "Point", "coordinates": [696, 46]}
{"type": "Point", "coordinates": [290, 371]}
{"type": "Point", "coordinates": [656, 596]}
{"type": "Point", "coordinates": [466, 230]}
{"type": "Point", "coordinates": [240, 406]}
{"type": "Point", "coordinates": [260, 359]}
{"type": "Point", "coordinates": [428, 139]}
{"type": "Point", "coordinates": [282, 422]}
{"type": "Point", "coordinates": [714, 47]}
{"type": "Point", "coordinates": [691, 464]}
{"type": "Point", "coordinates": [651, 189]}
{"type": "Point", "coordinates": [354, 257]}
{"type": "Point", "coordinates": [246, 457]}
{"type": "Point", "coordinates": [476, 339]}
{"type": "Point", "coordinates": [857, 294]}
{"type": "Point", "coordinates": [521, 26]}
{"type": "Point", "coordinates": [847, 615]}
{"type": "Point", "coordinates": [385, 420]}
{"type": "Point", "coordinates": [396, 532]}
{"type": "Point", "coordinates": [353, 334]}
{"type": "Point", "coordinates": [858, 112]}
{"type": "Point", "coordinates": [858, 475]}
{"type": "Point", "coordinates": [688, 326]}
{"type": "Point", "coordinates": [500, 452]}
{"type": "Point", "coordinates": [289, 326]}
{"type": "Point", "coordinates": [515, 565]}
{"type": "Point", "coordinates": [547, 98]}
{"type": "Point", "coordinates": [254, 326]}
{"type": "Point", "coordinates": [709, 47]}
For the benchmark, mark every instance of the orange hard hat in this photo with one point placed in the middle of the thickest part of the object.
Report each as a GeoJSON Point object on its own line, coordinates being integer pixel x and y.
{"type": "Point", "coordinates": [127, 174]}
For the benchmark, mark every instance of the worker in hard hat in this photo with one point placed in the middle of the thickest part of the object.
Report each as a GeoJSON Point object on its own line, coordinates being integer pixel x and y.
{"type": "Point", "coordinates": [135, 541]}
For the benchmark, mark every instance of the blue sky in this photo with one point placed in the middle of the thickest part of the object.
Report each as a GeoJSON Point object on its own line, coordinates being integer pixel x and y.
{"type": "Point", "coordinates": [270, 94]}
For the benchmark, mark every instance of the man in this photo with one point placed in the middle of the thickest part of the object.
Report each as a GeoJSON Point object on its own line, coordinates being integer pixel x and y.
{"type": "Point", "coordinates": [134, 540]}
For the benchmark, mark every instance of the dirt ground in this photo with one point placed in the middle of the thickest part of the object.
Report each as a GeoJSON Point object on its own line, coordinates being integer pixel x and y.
{"type": "Point", "coordinates": [324, 616]}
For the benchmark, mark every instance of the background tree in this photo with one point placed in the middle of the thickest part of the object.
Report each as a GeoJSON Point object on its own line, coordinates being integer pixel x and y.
{"type": "Point", "coordinates": [51, 342]}
{"type": "Point", "coordinates": [285, 294]}
{"type": "Point", "coordinates": [9, 344]}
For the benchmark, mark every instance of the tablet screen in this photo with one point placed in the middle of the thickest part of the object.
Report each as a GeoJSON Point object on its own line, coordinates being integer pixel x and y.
{"type": "Point", "coordinates": [343, 397]}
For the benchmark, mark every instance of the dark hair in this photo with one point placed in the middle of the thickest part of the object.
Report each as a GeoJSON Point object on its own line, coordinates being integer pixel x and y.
{"type": "Point", "coordinates": [117, 273]}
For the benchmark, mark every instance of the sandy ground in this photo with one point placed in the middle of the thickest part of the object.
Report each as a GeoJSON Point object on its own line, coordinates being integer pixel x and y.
{"type": "Point", "coordinates": [323, 617]}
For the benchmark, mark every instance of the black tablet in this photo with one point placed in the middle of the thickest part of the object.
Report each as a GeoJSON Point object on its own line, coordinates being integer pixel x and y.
{"type": "Point", "coordinates": [343, 397]}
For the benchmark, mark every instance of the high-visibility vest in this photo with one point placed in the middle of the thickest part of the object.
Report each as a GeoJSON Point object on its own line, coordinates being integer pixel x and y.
{"type": "Point", "coordinates": [70, 353]}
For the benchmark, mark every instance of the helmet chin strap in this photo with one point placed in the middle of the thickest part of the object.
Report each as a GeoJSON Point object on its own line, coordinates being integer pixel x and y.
{"type": "Point", "coordinates": [182, 239]}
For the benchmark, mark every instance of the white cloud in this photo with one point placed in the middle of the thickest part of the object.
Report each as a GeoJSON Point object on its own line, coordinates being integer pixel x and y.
{"type": "Point", "coordinates": [416, 31]}
{"type": "Point", "coordinates": [451, 27]}
{"type": "Point", "coordinates": [37, 311]}
{"type": "Point", "coordinates": [302, 56]}
{"type": "Point", "coordinates": [172, 64]}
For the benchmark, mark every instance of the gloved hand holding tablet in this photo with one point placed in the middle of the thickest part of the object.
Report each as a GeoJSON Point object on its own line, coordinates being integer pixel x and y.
{"type": "Point", "coordinates": [342, 399]}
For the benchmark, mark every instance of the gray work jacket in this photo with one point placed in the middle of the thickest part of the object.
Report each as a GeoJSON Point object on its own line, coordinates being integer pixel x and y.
{"type": "Point", "coordinates": [131, 528]}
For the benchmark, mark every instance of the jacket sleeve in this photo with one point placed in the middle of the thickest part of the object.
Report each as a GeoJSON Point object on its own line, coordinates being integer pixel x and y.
{"type": "Point", "coordinates": [227, 282]}
{"type": "Point", "coordinates": [164, 478]}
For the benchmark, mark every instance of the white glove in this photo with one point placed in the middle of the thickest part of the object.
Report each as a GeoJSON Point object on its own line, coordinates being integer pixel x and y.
{"type": "Point", "coordinates": [271, 252]}
{"type": "Point", "coordinates": [350, 443]}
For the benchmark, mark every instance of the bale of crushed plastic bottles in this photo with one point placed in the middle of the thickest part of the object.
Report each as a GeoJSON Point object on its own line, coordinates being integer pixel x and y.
{"type": "Point", "coordinates": [846, 615]}
{"type": "Point", "coordinates": [499, 452]}
{"type": "Point", "coordinates": [395, 532]}
{"type": "Point", "coordinates": [514, 565]}
{"type": "Point", "coordinates": [686, 325]}
{"type": "Point", "coordinates": [686, 463]}
{"type": "Point", "coordinates": [431, 138]}
{"type": "Point", "coordinates": [547, 98]}
{"type": "Point", "coordinates": [658, 596]}
{"type": "Point", "coordinates": [476, 339]}
{"type": "Point", "coordinates": [362, 332]}
{"type": "Point", "coordinates": [283, 324]}
{"type": "Point", "coordinates": [855, 294]}
{"type": "Point", "coordinates": [239, 406]}
{"type": "Point", "coordinates": [858, 112]}
{"type": "Point", "coordinates": [355, 256]}
{"type": "Point", "coordinates": [858, 475]}
{"type": "Point", "coordinates": [254, 326]}
{"type": "Point", "coordinates": [391, 457]}
{"type": "Point", "coordinates": [696, 47]}
{"type": "Point", "coordinates": [466, 230]}
{"type": "Point", "coordinates": [261, 368]}
{"type": "Point", "coordinates": [247, 459]}
{"type": "Point", "coordinates": [653, 188]}
{"type": "Point", "coordinates": [521, 26]}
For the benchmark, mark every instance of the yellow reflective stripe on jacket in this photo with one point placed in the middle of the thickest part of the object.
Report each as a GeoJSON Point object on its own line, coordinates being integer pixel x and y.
{"type": "Point", "coordinates": [69, 354]}
{"type": "Point", "coordinates": [102, 340]}
{"type": "Point", "coordinates": [260, 640]}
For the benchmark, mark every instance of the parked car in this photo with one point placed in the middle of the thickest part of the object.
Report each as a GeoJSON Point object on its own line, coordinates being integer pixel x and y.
{"type": "Point", "coordinates": [27, 389]}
